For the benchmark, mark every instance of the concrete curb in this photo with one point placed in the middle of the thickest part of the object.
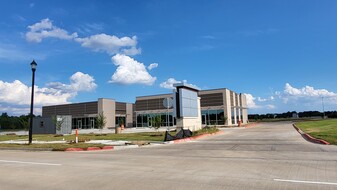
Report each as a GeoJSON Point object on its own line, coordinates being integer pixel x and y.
{"type": "Point", "coordinates": [251, 125]}
{"type": "Point", "coordinates": [194, 138]}
{"type": "Point", "coordinates": [100, 149]}
{"type": "Point", "coordinates": [310, 138]}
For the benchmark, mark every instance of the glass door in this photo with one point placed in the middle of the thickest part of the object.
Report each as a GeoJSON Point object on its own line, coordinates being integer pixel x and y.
{"type": "Point", "coordinates": [204, 119]}
{"type": "Point", "coordinates": [92, 123]}
{"type": "Point", "coordinates": [79, 124]}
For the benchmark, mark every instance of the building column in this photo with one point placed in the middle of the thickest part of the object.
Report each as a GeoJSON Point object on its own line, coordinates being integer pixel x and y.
{"type": "Point", "coordinates": [244, 109]}
{"type": "Point", "coordinates": [108, 108]}
{"type": "Point", "coordinates": [129, 115]}
{"type": "Point", "coordinates": [227, 107]}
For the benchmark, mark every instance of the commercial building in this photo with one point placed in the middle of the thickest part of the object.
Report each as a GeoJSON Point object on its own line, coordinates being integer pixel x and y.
{"type": "Point", "coordinates": [218, 107]}
{"type": "Point", "coordinates": [84, 114]}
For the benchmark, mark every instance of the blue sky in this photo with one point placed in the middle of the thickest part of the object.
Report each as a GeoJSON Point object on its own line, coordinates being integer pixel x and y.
{"type": "Point", "coordinates": [282, 54]}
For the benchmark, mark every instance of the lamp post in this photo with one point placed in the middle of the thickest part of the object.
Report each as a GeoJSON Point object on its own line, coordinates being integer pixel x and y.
{"type": "Point", "coordinates": [323, 107]}
{"type": "Point", "coordinates": [33, 66]}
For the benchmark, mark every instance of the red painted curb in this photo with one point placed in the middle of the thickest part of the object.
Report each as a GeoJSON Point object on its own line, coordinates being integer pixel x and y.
{"type": "Point", "coordinates": [74, 149]}
{"type": "Point", "coordinates": [310, 138]}
{"type": "Point", "coordinates": [108, 148]}
{"type": "Point", "coordinates": [93, 148]}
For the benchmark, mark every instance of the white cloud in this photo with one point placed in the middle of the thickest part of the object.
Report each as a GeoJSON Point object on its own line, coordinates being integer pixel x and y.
{"type": "Point", "coordinates": [270, 106]}
{"type": "Point", "coordinates": [305, 94]}
{"type": "Point", "coordinates": [19, 110]}
{"type": "Point", "coordinates": [252, 104]}
{"type": "Point", "coordinates": [17, 95]}
{"type": "Point", "coordinates": [130, 71]}
{"type": "Point", "coordinates": [78, 82]}
{"type": "Point", "coordinates": [251, 101]}
{"type": "Point", "coordinates": [110, 44]}
{"type": "Point", "coordinates": [261, 99]}
{"type": "Point", "coordinates": [152, 66]}
{"type": "Point", "coordinates": [168, 84]}
{"type": "Point", "coordinates": [45, 29]}
{"type": "Point", "coordinates": [307, 91]}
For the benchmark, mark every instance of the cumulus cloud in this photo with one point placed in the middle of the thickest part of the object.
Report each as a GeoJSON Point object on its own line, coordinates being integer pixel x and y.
{"type": "Point", "coordinates": [152, 66]}
{"type": "Point", "coordinates": [19, 110]}
{"type": "Point", "coordinates": [130, 71]}
{"type": "Point", "coordinates": [307, 93]}
{"type": "Point", "coordinates": [45, 29]}
{"type": "Point", "coordinates": [251, 101]}
{"type": "Point", "coordinates": [110, 44]}
{"type": "Point", "coordinates": [78, 82]}
{"type": "Point", "coordinates": [99, 42]}
{"type": "Point", "coordinates": [253, 105]}
{"type": "Point", "coordinates": [17, 93]}
{"type": "Point", "coordinates": [168, 84]}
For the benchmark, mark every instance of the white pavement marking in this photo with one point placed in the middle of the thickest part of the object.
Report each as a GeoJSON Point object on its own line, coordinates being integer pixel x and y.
{"type": "Point", "coordinates": [308, 182]}
{"type": "Point", "coordinates": [34, 163]}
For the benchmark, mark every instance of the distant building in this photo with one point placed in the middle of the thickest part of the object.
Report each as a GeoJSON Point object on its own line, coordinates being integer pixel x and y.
{"type": "Point", "coordinates": [218, 107]}
{"type": "Point", "coordinates": [295, 115]}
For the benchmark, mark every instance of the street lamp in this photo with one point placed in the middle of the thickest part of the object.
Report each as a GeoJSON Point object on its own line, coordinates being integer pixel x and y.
{"type": "Point", "coordinates": [323, 107]}
{"type": "Point", "coordinates": [33, 66]}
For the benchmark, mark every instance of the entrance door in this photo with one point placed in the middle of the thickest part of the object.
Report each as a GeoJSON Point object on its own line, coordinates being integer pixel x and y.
{"type": "Point", "coordinates": [204, 119]}
{"type": "Point", "coordinates": [79, 124]}
{"type": "Point", "coordinates": [92, 123]}
{"type": "Point", "coordinates": [149, 121]}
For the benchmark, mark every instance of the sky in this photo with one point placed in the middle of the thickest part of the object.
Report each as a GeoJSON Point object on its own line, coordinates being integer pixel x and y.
{"type": "Point", "coordinates": [281, 54]}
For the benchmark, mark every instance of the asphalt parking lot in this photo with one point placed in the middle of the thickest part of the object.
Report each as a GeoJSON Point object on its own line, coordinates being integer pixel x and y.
{"type": "Point", "coordinates": [267, 156]}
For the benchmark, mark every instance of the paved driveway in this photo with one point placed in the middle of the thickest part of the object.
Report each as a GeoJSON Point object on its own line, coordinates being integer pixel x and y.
{"type": "Point", "coordinates": [268, 156]}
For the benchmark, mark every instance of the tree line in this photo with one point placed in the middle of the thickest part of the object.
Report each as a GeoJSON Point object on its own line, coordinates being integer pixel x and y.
{"type": "Point", "coordinates": [14, 122]}
{"type": "Point", "coordinates": [328, 114]}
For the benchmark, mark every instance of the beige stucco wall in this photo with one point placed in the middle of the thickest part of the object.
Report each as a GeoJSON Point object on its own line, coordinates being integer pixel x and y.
{"type": "Point", "coordinates": [227, 107]}
{"type": "Point", "coordinates": [244, 110]}
{"type": "Point", "coordinates": [107, 107]}
{"type": "Point", "coordinates": [129, 115]}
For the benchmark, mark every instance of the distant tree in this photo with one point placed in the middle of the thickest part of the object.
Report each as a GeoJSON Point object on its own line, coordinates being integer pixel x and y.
{"type": "Point", "coordinates": [58, 121]}
{"type": "Point", "coordinates": [24, 123]}
{"type": "Point", "coordinates": [101, 121]}
{"type": "Point", "coordinates": [156, 122]}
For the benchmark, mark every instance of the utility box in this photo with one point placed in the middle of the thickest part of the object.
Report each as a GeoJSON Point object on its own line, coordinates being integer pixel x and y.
{"type": "Point", "coordinates": [47, 125]}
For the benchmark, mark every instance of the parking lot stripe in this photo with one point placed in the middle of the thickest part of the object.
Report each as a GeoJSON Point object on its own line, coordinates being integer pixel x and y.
{"type": "Point", "coordinates": [307, 182]}
{"type": "Point", "coordinates": [33, 163]}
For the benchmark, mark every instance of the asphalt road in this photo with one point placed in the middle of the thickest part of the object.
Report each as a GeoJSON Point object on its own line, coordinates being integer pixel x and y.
{"type": "Point", "coordinates": [268, 156]}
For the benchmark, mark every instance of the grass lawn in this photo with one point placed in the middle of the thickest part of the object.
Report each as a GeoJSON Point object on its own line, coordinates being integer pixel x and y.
{"type": "Point", "coordinates": [322, 129]}
{"type": "Point", "coordinates": [147, 137]}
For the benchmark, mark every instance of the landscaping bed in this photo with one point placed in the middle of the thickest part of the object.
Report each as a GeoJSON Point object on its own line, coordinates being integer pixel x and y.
{"type": "Point", "coordinates": [132, 138]}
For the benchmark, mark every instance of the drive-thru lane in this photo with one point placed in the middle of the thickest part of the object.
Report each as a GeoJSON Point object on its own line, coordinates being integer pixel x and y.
{"type": "Point", "coordinates": [268, 156]}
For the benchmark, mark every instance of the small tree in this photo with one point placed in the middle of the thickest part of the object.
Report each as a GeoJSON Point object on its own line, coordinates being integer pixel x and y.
{"type": "Point", "coordinates": [156, 122]}
{"type": "Point", "coordinates": [24, 123]}
{"type": "Point", "coordinates": [58, 121]}
{"type": "Point", "coordinates": [101, 121]}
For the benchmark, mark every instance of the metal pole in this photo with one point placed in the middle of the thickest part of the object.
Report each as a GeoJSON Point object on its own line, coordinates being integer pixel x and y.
{"type": "Point", "coordinates": [323, 107]}
{"type": "Point", "coordinates": [167, 118]}
{"type": "Point", "coordinates": [31, 109]}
